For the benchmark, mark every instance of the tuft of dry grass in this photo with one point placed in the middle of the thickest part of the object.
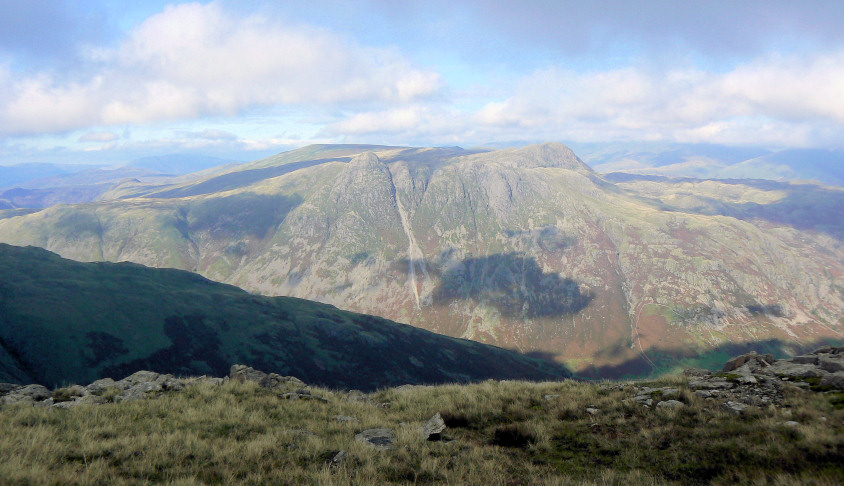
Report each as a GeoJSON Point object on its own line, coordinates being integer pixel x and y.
{"type": "Point", "coordinates": [503, 433]}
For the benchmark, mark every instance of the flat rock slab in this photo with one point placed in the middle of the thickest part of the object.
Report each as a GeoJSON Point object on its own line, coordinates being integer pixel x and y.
{"type": "Point", "coordinates": [380, 439]}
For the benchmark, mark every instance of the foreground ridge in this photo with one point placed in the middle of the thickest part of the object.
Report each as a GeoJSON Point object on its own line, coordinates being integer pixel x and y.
{"type": "Point", "coordinates": [758, 420]}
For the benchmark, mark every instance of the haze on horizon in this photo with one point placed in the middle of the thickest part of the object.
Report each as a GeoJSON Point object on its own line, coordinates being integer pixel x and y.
{"type": "Point", "coordinates": [106, 81]}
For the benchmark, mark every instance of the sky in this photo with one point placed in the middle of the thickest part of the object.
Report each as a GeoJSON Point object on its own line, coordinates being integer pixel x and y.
{"type": "Point", "coordinates": [96, 81]}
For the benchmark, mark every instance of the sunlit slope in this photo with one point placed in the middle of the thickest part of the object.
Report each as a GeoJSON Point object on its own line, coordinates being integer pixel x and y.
{"type": "Point", "coordinates": [525, 248]}
{"type": "Point", "coordinates": [64, 321]}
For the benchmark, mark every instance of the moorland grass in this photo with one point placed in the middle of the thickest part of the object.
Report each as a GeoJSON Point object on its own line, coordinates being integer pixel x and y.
{"type": "Point", "coordinates": [502, 433]}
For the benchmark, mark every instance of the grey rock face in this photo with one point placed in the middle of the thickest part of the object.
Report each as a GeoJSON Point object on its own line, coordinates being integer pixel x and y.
{"type": "Point", "coordinates": [380, 439]}
{"type": "Point", "coordinates": [7, 388]}
{"type": "Point", "coordinates": [434, 428]}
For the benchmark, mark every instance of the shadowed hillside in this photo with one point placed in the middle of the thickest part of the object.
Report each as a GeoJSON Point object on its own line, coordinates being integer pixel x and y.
{"type": "Point", "coordinates": [64, 321]}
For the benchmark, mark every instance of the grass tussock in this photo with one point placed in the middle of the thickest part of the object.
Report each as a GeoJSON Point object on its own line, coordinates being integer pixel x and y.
{"type": "Point", "coordinates": [502, 433]}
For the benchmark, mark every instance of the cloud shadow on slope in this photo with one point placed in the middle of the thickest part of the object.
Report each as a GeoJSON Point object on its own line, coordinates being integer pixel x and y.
{"type": "Point", "coordinates": [240, 215]}
{"type": "Point", "coordinates": [238, 179]}
{"type": "Point", "coordinates": [511, 282]}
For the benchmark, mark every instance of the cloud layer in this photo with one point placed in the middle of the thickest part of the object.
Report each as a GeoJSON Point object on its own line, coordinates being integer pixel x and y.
{"type": "Point", "coordinates": [217, 74]}
{"type": "Point", "coordinates": [192, 60]}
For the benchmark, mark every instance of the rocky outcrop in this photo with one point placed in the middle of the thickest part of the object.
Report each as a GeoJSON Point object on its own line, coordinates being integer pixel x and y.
{"type": "Point", "coordinates": [143, 385]}
{"type": "Point", "coordinates": [243, 373]}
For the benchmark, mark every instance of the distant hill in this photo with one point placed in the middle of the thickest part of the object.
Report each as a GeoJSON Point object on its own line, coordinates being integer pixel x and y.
{"type": "Point", "coordinates": [64, 321]}
{"type": "Point", "coordinates": [178, 164]}
{"type": "Point", "coordinates": [706, 161]}
{"type": "Point", "coordinates": [14, 175]}
{"type": "Point", "coordinates": [826, 166]}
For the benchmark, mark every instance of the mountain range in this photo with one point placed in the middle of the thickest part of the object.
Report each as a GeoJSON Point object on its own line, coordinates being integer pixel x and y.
{"type": "Point", "coordinates": [525, 248]}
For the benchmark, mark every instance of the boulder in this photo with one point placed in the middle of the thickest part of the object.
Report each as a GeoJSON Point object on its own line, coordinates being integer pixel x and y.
{"type": "Point", "coordinates": [805, 359]}
{"type": "Point", "coordinates": [434, 428]}
{"type": "Point", "coordinates": [787, 369]}
{"type": "Point", "coordinates": [35, 392]}
{"type": "Point", "coordinates": [70, 393]}
{"type": "Point", "coordinates": [339, 458]}
{"type": "Point", "coordinates": [670, 405]}
{"type": "Point", "coordinates": [380, 439]}
{"type": "Point", "coordinates": [142, 376]}
{"type": "Point", "coordinates": [737, 408]}
{"type": "Point", "coordinates": [243, 373]}
{"type": "Point", "coordinates": [761, 360]}
{"type": "Point", "coordinates": [7, 388]}
{"type": "Point", "coordinates": [832, 363]}
{"type": "Point", "coordinates": [646, 400]}
{"type": "Point", "coordinates": [592, 411]}
{"type": "Point", "coordinates": [696, 372]}
{"type": "Point", "coordinates": [833, 380]}
{"type": "Point", "coordinates": [714, 384]}
{"type": "Point", "coordinates": [274, 381]}
{"type": "Point", "coordinates": [748, 380]}
{"type": "Point", "coordinates": [100, 386]}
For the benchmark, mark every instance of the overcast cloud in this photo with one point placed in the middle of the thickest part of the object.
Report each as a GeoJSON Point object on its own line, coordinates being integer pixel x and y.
{"type": "Point", "coordinates": [253, 76]}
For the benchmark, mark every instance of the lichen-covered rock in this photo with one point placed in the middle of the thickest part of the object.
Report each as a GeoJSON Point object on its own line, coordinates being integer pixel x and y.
{"type": "Point", "coordinates": [434, 428]}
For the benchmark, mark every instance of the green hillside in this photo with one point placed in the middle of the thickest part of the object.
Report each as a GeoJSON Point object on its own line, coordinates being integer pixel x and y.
{"type": "Point", "coordinates": [63, 321]}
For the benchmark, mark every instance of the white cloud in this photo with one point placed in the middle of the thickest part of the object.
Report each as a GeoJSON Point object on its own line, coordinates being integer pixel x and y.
{"type": "Point", "coordinates": [192, 60]}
